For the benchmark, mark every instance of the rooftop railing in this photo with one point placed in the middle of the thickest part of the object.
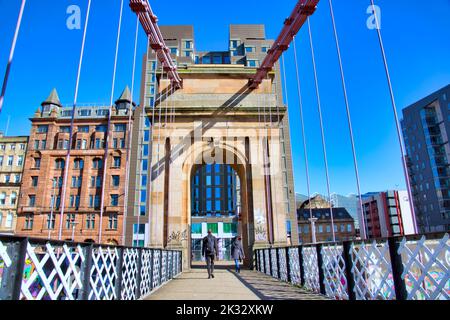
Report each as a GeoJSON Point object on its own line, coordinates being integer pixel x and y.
{"type": "Point", "coordinates": [39, 269]}
{"type": "Point", "coordinates": [401, 268]}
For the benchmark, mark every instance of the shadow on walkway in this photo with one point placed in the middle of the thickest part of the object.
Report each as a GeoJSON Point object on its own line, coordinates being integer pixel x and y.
{"type": "Point", "coordinates": [228, 285]}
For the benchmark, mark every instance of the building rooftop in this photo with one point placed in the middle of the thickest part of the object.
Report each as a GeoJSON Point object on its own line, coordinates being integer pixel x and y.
{"type": "Point", "coordinates": [324, 214]}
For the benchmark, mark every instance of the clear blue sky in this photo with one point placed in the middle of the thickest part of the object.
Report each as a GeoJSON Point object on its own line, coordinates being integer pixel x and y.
{"type": "Point", "coordinates": [416, 39]}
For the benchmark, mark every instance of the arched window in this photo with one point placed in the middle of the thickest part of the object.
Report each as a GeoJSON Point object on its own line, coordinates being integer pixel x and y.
{"type": "Point", "coordinates": [97, 163]}
{"type": "Point", "coordinates": [78, 164]}
{"type": "Point", "coordinates": [59, 163]}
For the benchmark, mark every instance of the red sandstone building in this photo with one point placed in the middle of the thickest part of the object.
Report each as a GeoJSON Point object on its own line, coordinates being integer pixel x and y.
{"type": "Point", "coordinates": [39, 213]}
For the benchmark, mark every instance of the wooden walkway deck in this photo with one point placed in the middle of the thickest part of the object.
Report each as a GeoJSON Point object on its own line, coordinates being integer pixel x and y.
{"type": "Point", "coordinates": [228, 285]}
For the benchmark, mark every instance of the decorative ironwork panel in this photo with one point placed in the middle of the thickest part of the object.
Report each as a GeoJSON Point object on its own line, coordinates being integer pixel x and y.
{"type": "Point", "coordinates": [5, 261]}
{"type": "Point", "coordinates": [266, 262]}
{"type": "Point", "coordinates": [52, 272]}
{"type": "Point", "coordinates": [170, 264]}
{"type": "Point", "coordinates": [372, 271]}
{"type": "Point", "coordinates": [283, 267]}
{"type": "Point", "coordinates": [273, 263]}
{"type": "Point", "coordinates": [311, 269]}
{"type": "Point", "coordinates": [426, 268]}
{"type": "Point", "coordinates": [146, 269]}
{"type": "Point", "coordinates": [164, 267]}
{"type": "Point", "coordinates": [103, 278]}
{"type": "Point", "coordinates": [335, 279]}
{"type": "Point", "coordinates": [156, 266]}
{"type": "Point", "coordinates": [294, 262]}
{"type": "Point", "coordinates": [129, 274]}
{"type": "Point", "coordinates": [261, 261]}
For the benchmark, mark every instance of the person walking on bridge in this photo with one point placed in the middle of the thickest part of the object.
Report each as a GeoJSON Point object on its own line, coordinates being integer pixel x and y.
{"type": "Point", "coordinates": [237, 252]}
{"type": "Point", "coordinates": [210, 251]}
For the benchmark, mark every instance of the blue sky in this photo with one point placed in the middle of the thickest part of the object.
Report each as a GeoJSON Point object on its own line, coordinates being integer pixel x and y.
{"type": "Point", "coordinates": [416, 41]}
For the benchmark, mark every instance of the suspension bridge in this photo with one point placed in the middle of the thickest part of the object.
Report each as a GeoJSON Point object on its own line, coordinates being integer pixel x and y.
{"type": "Point", "coordinates": [202, 116]}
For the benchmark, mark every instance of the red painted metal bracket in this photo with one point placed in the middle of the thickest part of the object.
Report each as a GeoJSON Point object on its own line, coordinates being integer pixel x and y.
{"type": "Point", "coordinates": [149, 22]}
{"type": "Point", "coordinates": [292, 25]}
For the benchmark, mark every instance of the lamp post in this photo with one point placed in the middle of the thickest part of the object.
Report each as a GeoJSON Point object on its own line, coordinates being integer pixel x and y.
{"type": "Point", "coordinates": [73, 223]}
{"type": "Point", "coordinates": [50, 224]}
{"type": "Point", "coordinates": [313, 229]}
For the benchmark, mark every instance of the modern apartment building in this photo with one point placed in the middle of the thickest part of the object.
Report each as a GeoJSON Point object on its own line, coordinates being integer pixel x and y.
{"type": "Point", "coordinates": [426, 128]}
{"type": "Point", "coordinates": [343, 222]}
{"type": "Point", "coordinates": [387, 214]}
{"type": "Point", "coordinates": [12, 159]}
{"type": "Point", "coordinates": [39, 213]}
{"type": "Point", "coordinates": [247, 47]}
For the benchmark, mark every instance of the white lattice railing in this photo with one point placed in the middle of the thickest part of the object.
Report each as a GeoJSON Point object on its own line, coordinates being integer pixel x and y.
{"type": "Point", "coordinates": [32, 269]}
{"type": "Point", "coordinates": [403, 268]}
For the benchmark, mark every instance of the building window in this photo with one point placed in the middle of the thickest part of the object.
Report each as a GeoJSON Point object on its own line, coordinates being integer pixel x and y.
{"type": "Point", "coordinates": [74, 201]}
{"type": "Point", "coordinates": [196, 228]}
{"type": "Point", "coordinates": [42, 129]}
{"type": "Point", "coordinates": [249, 49]}
{"type": "Point", "coordinates": [114, 200]}
{"type": "Point", "coordinates": [120, 127]}
{"type": "Point", "coordinates": [349, 228]}
{"type": "Point", "coordinates": [13, 198]}
{"type": "Point", "coordinates": [97, 163]}
{"type": "Point", "coordinates": [84, 112]}
{"type": "Point", "coordinates": [50, 221]}
{"type": "Point", "coordinates": [264, 49]}
{"type": "Point", "coordinates": [252, 63]}
{"type": "Point", "coordinates": [320, 229]}
{"type": "Point", "coordinates": [77, 182]}
{"type": "Point", "coordinates": [70, 220]}
{"type": "Point", "coordinates": [10, 160]}
{"type": "Point", "coordinates": [94, 201]}
{"type": "Point", "coordinates": [117, 161]}
{"type": "Point", "coordinates": [188, 44]}
{"type": "Point", "coordinates": [214, 227]}
{"type": "Point", "coordinates": [29, 220]}
{"type": "Point", "coordinates": [112, 221]}
{"type": "Point", "coordinates": [9, 220]}
{"type": "Point", "coordinates": [90, 221]}
{"type": "Point", "coordinates": [32, 201]}
{"type": "Point", "coordinates": [84, 129]}
{"type": "Point", "coordinates": [229, 228]}
{"type": "Point", "coordinates": [115, 181]}
{"type": "Point", "coordinates": [37, 163]}
{"type": "Point", "coordinates": [17, 178]}
{"type": "Point", "coordinates": [142, 211]}
{"type": "Point", "coordinates": [1, 161]}
{"type": "Point", "coordinates": [234, 43]}
{"type": "Point", "coordinates": [174, 50]}
{"type": "Point", "coordinates": [206, 60]}
{"type": "Point", "coordinates": [78, 164]}
{"type": "Point", "coordinates": [59, 164]}
{"type": "Point", "coordinates": [217, 59]}
{"type": "Point", "coordinates": [20, 161]}
{"type": "Point", "coordinates": [34, 181]}
{"type": "Point", "coordinates": [64, 129]}
{"type": "Point", "coordinates": [2, 198]}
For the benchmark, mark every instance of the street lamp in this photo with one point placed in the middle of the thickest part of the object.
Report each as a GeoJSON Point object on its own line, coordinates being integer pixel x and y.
{"type": "Point", "coordinates": [73, 223]}
{"type": "Point", "coordinates": [50, 224]}
{"type": "Point", "coordinates": [313, 229]}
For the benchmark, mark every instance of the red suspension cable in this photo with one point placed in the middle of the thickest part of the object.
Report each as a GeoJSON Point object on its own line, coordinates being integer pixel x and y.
{"type": "Point", "coordinates": [149, 22]}
{"type": "Point", "coordinates": [292, 25]}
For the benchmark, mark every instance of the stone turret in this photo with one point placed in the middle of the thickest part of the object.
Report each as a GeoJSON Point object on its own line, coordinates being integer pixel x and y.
{"type": "Point", "coordinates": [125, 100]}
{"type": "Point", "coordinates": [52, 104]}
